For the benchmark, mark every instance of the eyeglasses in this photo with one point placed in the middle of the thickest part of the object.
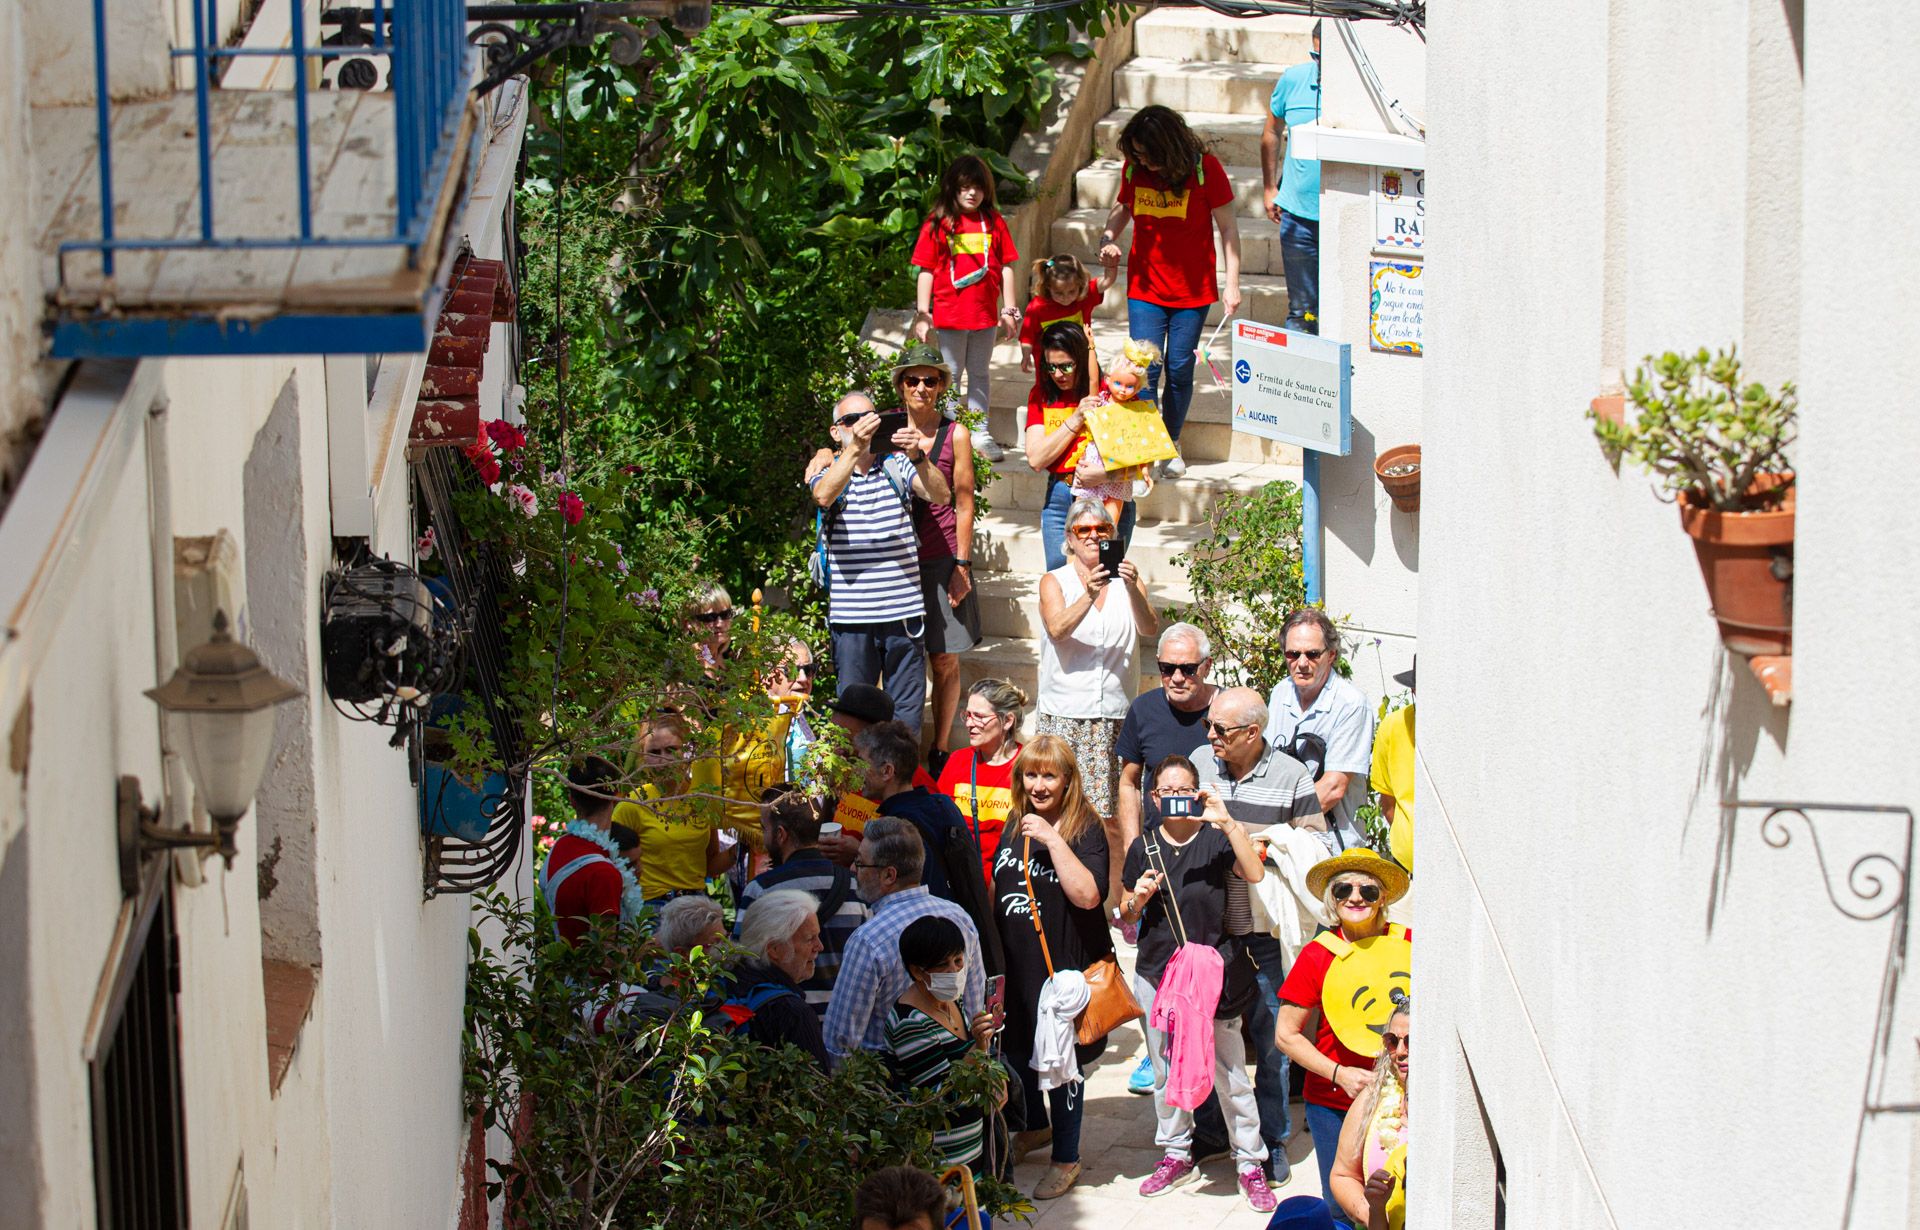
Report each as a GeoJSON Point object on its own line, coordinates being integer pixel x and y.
{"type": "Point", "coordinates": [977, 719]}
{"type": "Point", "coordinates": [1189, 669]}
{"type": "Point", "coordinates": [1084, 532]}
{"type": "Point", "coordinates": [869, 866]}
{"type": "Point", "coordinates": [1061, 369]}
{"type": "Point", "coordinates": [914, 382]}
{"type": "Point", "coordinates": [1220, 730]}
{"type": "Point", "coordinates": [714, 617]}
{"type": "Point", "coordinates": [1393, 1042]}
{"type": "Point", "coordinates": [1369, 893]}
{"type": "Point", "coordinates": [1311, 655]}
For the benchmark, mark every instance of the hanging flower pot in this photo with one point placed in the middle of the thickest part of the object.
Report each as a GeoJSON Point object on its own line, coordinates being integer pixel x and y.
{"type": "Point", "coordinates": [1398, 470]}
{"type": "Point", "coordinates": [1746, 559]}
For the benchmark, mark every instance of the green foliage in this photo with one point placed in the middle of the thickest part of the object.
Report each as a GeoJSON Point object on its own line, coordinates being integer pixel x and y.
{"type": "Point", "coordinates": [1246, 577]}
{"type": "Point", "coordinates": [1700, 431]}
{"type": "Point", "coordinates": [667, 1122]}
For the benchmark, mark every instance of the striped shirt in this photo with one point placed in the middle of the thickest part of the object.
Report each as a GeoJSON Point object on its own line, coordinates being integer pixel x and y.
{"type": "Point", "coordinates": [873, 557]}
{"type": "Point", "coordinates": [872, 977]}
{"type": "Point", "coordinates": [1277, 790]}
{"type": "Point", "coordinates": [921, 1051]}
{"type": "Point", "coordinates": [810, 872]}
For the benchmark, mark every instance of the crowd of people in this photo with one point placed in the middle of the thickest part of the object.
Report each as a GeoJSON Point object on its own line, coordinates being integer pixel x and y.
{"type": "Point", "coordinates": [1190, 857]}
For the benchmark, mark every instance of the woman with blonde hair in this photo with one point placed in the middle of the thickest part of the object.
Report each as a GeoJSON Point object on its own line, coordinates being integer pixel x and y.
{"type": "Point", "coordinates": [1369, 1178]}
{"type": "Point", "coordinates": [1049, 875]}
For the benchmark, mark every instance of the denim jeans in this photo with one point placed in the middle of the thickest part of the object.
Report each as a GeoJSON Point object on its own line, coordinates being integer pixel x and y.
{"type": "Point", "coordinates": [891, 655]}
{"type": "Point", "coordinates": [1324, 1122]}
{"type": "Point", "coordinates": [1061, 1108]}
{"type": "Point", "coordinates": [1053, 521]}
{"type": "Point", "coordinates": [1300, 257]}
{"type": "Point", "coordinates": [1176, 331]}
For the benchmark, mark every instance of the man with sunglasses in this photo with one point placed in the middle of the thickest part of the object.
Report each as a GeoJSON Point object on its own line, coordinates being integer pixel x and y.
{"type": "Point", "coordinates": [1323, 721]}
{"type": "Point", "coordinates": [875, 610]}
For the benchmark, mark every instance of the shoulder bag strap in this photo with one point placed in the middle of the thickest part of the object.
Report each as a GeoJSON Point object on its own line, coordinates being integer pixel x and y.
{"type": "Point", "coordinates": [1158, 863]}
{"type": "Point", "coordinates": [836, 896]}
{"type": "Point", "coordinates": [973, 798]}
{"type": "Point", "coordinates": [1033, 901]}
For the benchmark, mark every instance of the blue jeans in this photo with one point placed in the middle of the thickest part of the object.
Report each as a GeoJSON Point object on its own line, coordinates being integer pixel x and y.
{"type": "Point", "coordinates": [1060, 1108]}
{"type": "Point", "coordinates": [1324, 1122]}
{"type": "Point", "coordinates": [1176, 331]}
{"type": "Point", "coordinates": [1271, 1065]}
{"type": "Point", "coordinates": [889, 654]}
{"type": "Point", "coordinates": [1053, 521]}
{"type": "Point", "coordinates": [1300, 257]}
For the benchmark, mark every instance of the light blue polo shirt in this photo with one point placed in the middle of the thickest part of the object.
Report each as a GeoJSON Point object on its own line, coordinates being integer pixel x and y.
{"type": "Point", "coordinates": [1342, 720]}
{"type": "Point", "coordinates": [1296, 100]}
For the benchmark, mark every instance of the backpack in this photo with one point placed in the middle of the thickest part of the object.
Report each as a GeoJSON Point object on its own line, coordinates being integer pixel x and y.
{"type": "Point", "coordinates": [738, 1008]}
{"type": "Point", "coordinates": [817, 567]}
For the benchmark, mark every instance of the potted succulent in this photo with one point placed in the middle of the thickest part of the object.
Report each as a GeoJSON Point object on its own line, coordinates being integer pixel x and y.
{"type": "Point", "coordinates": [1398, 470]}
{"type": "Point", "coordinates": [1721, 449]}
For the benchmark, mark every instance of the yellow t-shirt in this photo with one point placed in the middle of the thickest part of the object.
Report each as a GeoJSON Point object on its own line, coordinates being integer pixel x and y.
{"type": "Point", "coordinates": [673, 841]}
{"type": "Point", "coordinates": [1393, 774]}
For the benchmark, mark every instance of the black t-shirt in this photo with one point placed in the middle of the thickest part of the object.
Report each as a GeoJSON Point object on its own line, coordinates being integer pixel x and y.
{"type": "Point", "coordinates": [1153, 731]}
{"type": "Point", "coordinates": [1197, 877]}
{"type": "Point", "coordinates": [1077, 937]}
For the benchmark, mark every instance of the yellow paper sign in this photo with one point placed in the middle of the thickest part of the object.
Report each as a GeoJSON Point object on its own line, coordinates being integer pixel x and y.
{"type": "Point", "coordinates": [1356, 997]}
{"type": "Point", "coordinates": [1051, 417]}
{"type": "Point", "coordinates": [854, 811]}
{"type": "Point", "coordinates": [1130, 433]}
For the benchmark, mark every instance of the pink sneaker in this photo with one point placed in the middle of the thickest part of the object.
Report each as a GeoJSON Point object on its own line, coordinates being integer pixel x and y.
{"type": "Point", "coordinates": [1169, 1174]}
{"type": "Point", "coordinates": [1253, 1185]}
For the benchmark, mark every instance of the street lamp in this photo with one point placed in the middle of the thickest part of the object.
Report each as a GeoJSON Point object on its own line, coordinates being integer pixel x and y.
{"type": "Point", "coordinates": [226, 698]}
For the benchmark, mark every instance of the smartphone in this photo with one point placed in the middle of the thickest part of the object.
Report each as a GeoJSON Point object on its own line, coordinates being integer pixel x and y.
{"type": "Point", "coordinates": [997, 999]}
{"type": "Point", "coordinates": [1112, 551]}
{"type": "Point", "coordinates": [1179, 805]}
{"type": "Point", "coordinates": [883, 435]}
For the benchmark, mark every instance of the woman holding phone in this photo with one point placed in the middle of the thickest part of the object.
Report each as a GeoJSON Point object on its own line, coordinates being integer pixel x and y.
{"type": "Point", "coordinates": [1087, 668]}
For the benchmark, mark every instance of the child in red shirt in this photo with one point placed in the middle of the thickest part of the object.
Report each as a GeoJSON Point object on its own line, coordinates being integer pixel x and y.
{"type": "Point", "coordinates": [963, 253]}
{"type": "Point", "coordinates": [1060, 288]}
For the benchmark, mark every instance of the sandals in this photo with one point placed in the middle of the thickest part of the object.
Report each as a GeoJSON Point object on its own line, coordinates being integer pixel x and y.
{"type": "Point", "coordinates": [1058, 1181]}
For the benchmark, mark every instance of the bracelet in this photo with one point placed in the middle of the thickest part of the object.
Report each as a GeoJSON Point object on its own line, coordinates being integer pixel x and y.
{"type": "Point", "coordinates": [1011, 311]}
{"type": "Point", "coordinates": [962, 563]}
{"type": "Point", "coordinates": [1335, 1078]}
{"type": "Point", "coordinates": [1105, 238]}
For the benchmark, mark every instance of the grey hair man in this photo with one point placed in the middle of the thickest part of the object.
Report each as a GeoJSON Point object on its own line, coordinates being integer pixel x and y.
{"type": "Point", "coordinates": [1322, 720]}
{"type": "Point", "coordinates": [1168, 720]}
{"type": "Point", "coordinates": [872, 976]}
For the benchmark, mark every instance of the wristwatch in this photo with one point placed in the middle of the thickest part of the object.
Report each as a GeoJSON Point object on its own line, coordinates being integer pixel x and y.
{"type": "Point", "coordinates": [1106, 237]}
{"type": "Point", "coordinates": [962, 563]}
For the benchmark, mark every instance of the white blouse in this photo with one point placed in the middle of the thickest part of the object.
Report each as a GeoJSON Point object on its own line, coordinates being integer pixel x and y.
{"type": "Point", "coordinates": [1086, 673]}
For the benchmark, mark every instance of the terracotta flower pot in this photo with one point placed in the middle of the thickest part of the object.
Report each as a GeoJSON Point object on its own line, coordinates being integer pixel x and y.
{"type": "Point", "coordinates": [1747, 561]}
{"type": "Point", "coordinates": [1398, 470]}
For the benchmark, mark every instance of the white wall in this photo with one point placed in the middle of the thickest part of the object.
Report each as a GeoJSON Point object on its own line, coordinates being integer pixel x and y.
{"type": "Point", "coordinates": [1668, 1022]}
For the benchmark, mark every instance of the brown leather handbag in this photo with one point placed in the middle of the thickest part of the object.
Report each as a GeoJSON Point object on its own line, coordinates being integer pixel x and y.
{"type": "Point", "coordinates": [1110, 1004]}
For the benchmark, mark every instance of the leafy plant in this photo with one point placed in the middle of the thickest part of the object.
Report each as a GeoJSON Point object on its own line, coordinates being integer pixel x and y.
{"type": "Point", "coordinates": [1702, 433]}
{"type": "Point", "coordinates": [1246, 576]}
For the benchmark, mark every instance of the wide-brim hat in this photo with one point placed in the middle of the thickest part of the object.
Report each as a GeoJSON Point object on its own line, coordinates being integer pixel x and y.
{"type": "Point", "coordinates": [1301, 1213]}
{"type": "Point", "coordinates": [1393, 878]}
{"type": "Point", "coordinates": [921, 354]}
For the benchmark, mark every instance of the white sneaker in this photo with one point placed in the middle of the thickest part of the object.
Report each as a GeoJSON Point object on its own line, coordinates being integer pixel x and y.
{"type": "Point", "coordinates": [1173, 467]}
{"type": "Point", "coordinates": [986, 446]}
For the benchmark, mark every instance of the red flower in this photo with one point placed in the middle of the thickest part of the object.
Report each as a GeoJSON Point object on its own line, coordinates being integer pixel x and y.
{"type": "Point", "coordinates": [506, 435]}
{"type": "Point", "coordinates": [484, 462]}
{"type": "Point", "coordinates": [572, 507]}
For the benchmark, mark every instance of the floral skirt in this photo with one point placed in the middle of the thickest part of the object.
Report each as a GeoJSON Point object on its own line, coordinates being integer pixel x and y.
{"type": "Point", "coordinates": [1092, 741]}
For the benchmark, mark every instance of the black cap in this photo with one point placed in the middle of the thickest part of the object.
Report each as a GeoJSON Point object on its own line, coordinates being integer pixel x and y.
{"type": "Point", "coordinates": [865, 702]}
{"type": "Point", "coordinates": [1405, 677]}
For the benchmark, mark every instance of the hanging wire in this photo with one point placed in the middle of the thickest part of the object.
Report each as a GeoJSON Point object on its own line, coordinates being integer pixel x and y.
{"type": "Point", "coordinates": [560, 345]}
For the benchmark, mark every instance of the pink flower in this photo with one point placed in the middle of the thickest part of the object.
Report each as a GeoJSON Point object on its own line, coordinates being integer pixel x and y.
{"type": "Point", "coordinates": [572, 507]}
{"type": "Point", "coordinates": [524, 497]}
{"type": "Point", "coordinates": [423, 545]}
{"type": "Point", "coordinates": [506, 435]}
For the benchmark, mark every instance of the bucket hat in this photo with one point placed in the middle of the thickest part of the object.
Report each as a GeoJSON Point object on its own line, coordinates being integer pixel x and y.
{"type": "Point", "coordinates": [1301, 1213]}
{"type": "Point", "coordinates": [921, 354]}
{"type": "Point", "coordinates": [1393, 878]}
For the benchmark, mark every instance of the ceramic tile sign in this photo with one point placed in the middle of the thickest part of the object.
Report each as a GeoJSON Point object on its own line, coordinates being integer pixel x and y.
{"type": "Point", "coordinates": [1293, 387]}
{"type": "Point", "coordinates": [1396, 307]}
{"type": "Point", "coordinates": [1399, 209]}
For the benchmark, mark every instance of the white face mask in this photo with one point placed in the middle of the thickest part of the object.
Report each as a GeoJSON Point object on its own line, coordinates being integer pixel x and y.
{"type": "Point", "coordinates": [948, 985]}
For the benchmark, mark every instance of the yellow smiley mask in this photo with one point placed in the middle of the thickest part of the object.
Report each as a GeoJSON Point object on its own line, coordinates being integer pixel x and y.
{"type": "Point", "coordinates": [1357, 998]}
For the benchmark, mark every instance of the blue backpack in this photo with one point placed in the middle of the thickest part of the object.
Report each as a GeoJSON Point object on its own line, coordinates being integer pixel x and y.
{"type": "Point", "coordinates": [817, 563]}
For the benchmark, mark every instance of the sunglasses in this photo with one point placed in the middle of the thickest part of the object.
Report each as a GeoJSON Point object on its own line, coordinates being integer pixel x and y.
{"type": "Point", "coordinates": [1220, 730]}
{"type": "Point", "coordinates": [1061, 369]}
{"type": "Point", "coordinates": [1369, 893]}
{"type": "Point", "coordinates": [1084, 532]}
{"type": "Point", "coordinates": [804, 668]}
{"type": "Point", "coordinates": [714, 617]}
{"type": "Point", "coordinates": [1311, 655]}
{"type": "Point", "coordinates": [848, 420]}
{"type": "Point", "coordinates": [1393, 1042]}
{"type": "Point", "coordinates": [1189, 669]}
{"type": "Point", "coordinates": [914, 382]}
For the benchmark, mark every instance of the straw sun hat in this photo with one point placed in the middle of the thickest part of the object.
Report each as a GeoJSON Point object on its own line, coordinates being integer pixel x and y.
{"type": "Point", "coordinates": [1393, 879]}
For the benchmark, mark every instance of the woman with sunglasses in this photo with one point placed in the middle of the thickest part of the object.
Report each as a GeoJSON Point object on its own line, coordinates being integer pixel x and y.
{"type": "Point", "coordinates": [1369, 1179]}
{"type": "Point", "coordinates": [709, 619]}
{"type": "Point", "coordinates": [1087, 668]}
{"type": "Point", "coordinates": [1355, 888]}
{"type": "Point", "coordinates": [1057, 433]}
{"type": "Point", "coordinates": [979, 777]}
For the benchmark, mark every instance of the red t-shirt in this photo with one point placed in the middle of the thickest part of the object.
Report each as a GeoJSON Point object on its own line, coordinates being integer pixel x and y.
{"type": "Point", "coordinates": [968, 245]}
{"type": "Point", "coordinates": [1171, 261]}
{"type": "Point", "coordinates": [1049, 412]}
{"type": "Point", "coordinates": [1302, 989]}
{"type": "Point", "coordinates": [995, 781]}
{"type": "Point", "coordinates": [1044, 310]}
{"type": "Point", "coordinates": [592, 891]}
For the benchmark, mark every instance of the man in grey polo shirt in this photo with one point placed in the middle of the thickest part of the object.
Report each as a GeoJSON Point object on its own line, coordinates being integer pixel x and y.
{"type": "Point", "coordinates": [1323, 721]}
{"type": "Point", "coordinates": [1261, 787]}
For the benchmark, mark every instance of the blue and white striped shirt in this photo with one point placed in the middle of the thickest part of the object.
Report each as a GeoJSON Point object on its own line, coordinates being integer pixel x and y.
{"type": "Point", "coordinates": [873, 558]}
{"type": "Point", "coordinates": [872, 977]}
{"type": "Point", "coordinates": [810, 872]}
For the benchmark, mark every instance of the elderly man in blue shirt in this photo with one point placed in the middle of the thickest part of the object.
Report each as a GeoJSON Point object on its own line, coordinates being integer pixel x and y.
{"type": "Point", "coordinates": [1323, 721]}
{"type": "Point", "coordinates": [1293, 199]}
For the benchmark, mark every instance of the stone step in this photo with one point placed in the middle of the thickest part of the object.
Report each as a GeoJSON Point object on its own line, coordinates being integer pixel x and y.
{"type": "Point", "coordinates": [1008, 540]}
{"type": "Point", "coordinates": [1233, 138]}
{"type": "Point", "coordinates": [1010, 604]}
{"type": "Point", "coordinates": [1201, 34]}
{"type": "Point", "coordinates": [1184, 500]}
{"type": "Point", "coordinates": [1188, 85]}
{"type": "Point", "coordinates": [1018, 659]}
{"type": "Point", "coordinates": [1095, 184]}
{"type": "Point", "coordinates": [1078, 231]}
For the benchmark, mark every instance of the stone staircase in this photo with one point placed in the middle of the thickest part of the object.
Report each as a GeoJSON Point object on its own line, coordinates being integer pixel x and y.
{"type": "Point", "coordinates": [1218, 72]}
